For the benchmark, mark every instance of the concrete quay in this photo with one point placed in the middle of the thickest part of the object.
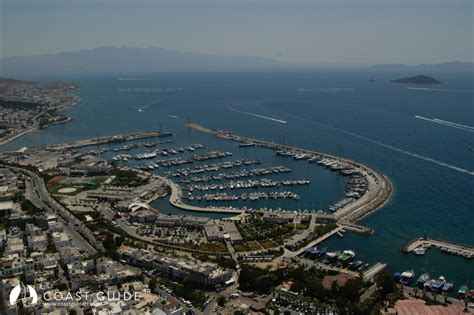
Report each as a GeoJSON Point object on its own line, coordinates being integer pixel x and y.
{"type": "Point", "coordinates": [107, 140]}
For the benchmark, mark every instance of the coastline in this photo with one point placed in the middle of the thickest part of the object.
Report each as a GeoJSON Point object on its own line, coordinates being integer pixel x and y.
{"type": "Point", "coordinates": [36, 125]}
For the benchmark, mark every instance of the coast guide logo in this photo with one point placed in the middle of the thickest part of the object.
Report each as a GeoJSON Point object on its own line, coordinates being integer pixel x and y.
{"type": "Point", "coordinates": [22, 292]}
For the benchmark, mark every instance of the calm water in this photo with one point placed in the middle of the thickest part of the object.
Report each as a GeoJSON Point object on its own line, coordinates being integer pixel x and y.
{"type": "Point", "coordinates": [430, 164]}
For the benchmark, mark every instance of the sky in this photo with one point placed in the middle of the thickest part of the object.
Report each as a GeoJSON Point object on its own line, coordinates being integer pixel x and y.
{"type": "Point", "coordinates": [351, 31]}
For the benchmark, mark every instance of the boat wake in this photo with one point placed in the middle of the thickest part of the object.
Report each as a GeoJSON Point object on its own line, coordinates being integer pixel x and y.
{"type": "Point", "coordinates": [447, 123]}
{"type": "Point", "coordinates": [415, 155]}
{"type": "Point", "coordinates": [391, 147]}
{"type": "Point", "coordinates": [433, 89]}
{"type": "Point", "coordinates": [256, 115]}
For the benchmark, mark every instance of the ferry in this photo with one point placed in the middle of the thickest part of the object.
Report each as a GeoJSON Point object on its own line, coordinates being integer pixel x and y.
{"type": "Point", "coordinates": [407, 276]}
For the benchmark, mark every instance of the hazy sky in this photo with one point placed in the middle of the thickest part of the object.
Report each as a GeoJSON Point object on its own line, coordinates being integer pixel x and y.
{"type": "Point", "coordinates": [371, 32]}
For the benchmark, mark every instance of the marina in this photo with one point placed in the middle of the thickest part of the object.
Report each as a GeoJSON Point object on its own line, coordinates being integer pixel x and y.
{"type": "Point", "coordinates": [367, 189]}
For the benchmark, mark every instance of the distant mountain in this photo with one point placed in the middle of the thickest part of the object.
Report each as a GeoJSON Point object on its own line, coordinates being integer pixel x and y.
{"type": "Point", "coordinates": [454, 65]}
{"type": "Point", "coordinates": [419, 79]}
{"type": "Point", "coordinates": [128, 60]}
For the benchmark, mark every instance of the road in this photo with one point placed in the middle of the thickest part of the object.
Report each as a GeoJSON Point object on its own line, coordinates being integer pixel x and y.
{"type": "Point", "coordinates": [38, 195]}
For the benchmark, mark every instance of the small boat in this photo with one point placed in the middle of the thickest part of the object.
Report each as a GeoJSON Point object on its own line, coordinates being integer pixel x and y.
{"type": "Point", "coordinates": [423, 279]}
{"type": "Point", "coordinates": [339, 234]}
{"type": "Point", "coordinates": [462, 290]}
{"type": "Point", "coordinates": [439, 283]}
{"type": "Point", "coordinates": [246, 144]}
{"type": "Point", "coordinates": [447, 287]}
{"type": "Point", "coordinates": [355, 265]}
{"type": "Point", "coordinates": [407, 277]}
{"type": "Point", "coordinates": [315, 252]}
{"type": "Point", "coordinates": [420, 250]}
{"type": "Point", "coordinates": [332, 255]}
{"type": "Point", "coordinates": [470, 294]}
{"type": "Point", "coordinates": [429, 284]}
{"type": "Point", "coordinates": [346, 256]}
{"type": "Point", "coordinates": [397, 275]}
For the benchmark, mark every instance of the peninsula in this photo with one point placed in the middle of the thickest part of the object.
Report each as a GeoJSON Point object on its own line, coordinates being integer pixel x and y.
{"type": "Point", "coordinates": [27, 106]}
{"type": "Point", "coordinates": [419, 79]}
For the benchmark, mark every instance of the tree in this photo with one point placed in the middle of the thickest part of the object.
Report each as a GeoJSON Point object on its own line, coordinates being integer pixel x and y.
{"type": "Point", "coordinates": [190, 283]}
{"type": "Point", "coordinates": [221, 300]}
{"type": "Point", "coordinates": [152, 285]}
{"type": "Point", "coordinates": [386, 283]}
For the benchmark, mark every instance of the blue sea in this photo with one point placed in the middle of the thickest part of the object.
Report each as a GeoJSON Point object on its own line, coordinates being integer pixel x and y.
{"type": "Point", "coordinates": [421, 137]}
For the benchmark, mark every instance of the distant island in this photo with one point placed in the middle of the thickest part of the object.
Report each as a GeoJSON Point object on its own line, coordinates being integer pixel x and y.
{"type": "Point", "coordinates": [419, 79]}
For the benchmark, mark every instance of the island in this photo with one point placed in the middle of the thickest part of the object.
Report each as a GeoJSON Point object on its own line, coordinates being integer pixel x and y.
{"type": "Point", "coordinates": [419, 79]}
{"type": "Point", "coordinates": [27, 106]}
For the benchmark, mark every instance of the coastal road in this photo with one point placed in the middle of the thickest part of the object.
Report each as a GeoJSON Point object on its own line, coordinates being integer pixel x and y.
{"type": "Point", "coordinates": [38, 194]}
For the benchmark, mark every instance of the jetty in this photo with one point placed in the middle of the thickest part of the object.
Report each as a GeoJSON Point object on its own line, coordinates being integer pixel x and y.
{"type": "Point", "coordinates": [373, 271]}
{"type": "Point", "coordinates": [378, 190]}
{"type": "Point", "coordinates": [465, 251]}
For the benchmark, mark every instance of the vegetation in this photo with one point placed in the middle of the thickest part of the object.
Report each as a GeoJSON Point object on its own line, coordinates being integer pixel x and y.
{"type": "Point", "coordinates": [30, 208]}
{"type": "Point", "coordinates": [307, 287]}
{"type": "Point", "coordinates": [128, 178]}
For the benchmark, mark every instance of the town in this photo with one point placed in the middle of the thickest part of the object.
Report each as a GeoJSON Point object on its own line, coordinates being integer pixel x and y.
{"type": "Point", "coordinates": [27, 106]}
{"type": "Point", "coordinates": [77, 224]}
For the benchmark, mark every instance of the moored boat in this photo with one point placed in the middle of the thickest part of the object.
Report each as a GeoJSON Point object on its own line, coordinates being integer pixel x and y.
{"type": "Point", "coordinates": [462, 290]}
{"type": "Point", "coordinates": [407, 276]}
{"type": "Point", "coordinates": [439, 283]}
{"type": "Point", "coordinates": [447, 287]}
{"type": "Point", "coordinates": [423, 279]}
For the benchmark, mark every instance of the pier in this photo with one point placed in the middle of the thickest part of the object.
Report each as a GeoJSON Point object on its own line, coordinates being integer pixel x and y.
{"type": "Point", "coordinates": [378, 190]}
{"type": "Point", "coordinates": [448, 247]}
{"type": "Point", "coordinates": [107, 140]}
{"type": "Point", "coordinates": [373, 271]}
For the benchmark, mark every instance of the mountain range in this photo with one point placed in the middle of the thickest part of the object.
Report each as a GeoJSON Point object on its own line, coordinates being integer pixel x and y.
{"type": "Point", "coordinates": [119, 60]}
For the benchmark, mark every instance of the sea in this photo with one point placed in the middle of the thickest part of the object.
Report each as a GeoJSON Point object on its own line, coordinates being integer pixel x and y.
{"type": "Point", "coordinates": [420, 137]}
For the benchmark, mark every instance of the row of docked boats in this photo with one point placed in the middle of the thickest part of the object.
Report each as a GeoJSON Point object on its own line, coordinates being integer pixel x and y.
{"type": "Point", "coordinates": [261, 183]}
{"type": "Point", "coordinates": [128, 147]}
{"type": "Point", "coordinates": [422, 249]}
{"type": "Point", "coordinates": [241, 174]}
{"type": "Point", "coordinates": [356, 185]}
{"type": "Point", "coordinates": [167, 151]}
{"type": "Point", "coordinates": [343, 259]}
{"type": "Point", "coordinates": [425, 281]}
{"type": "Point", "coordinates": [251, 196]}
{"type": "Point", "coordinates": [185, 172]}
